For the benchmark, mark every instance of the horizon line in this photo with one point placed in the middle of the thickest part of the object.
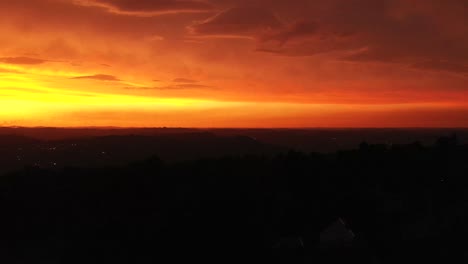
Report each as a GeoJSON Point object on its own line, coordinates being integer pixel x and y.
{"type": "Point", "coordinates": [231, 128]}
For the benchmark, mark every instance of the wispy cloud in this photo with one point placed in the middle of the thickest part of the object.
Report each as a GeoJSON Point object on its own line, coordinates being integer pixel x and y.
{"type": "Point", "coordinates": [149, 7]}
{"type": "Point", "coordinates": [238, 21]}
{"type": "Point", "coordinates": [3, 70]}
{"type": "Point", "coordinates": [22, 60]}
{"type": "Point", "coordinates": [171, 87]}
{"type": "Point", "coordinates": [100, 77]}
{"type": "Point", "coordinates": [184, 80]}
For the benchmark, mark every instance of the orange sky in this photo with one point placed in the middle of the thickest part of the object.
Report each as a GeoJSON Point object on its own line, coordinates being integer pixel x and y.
{"type": "Point", "coordinates": [234, 63]}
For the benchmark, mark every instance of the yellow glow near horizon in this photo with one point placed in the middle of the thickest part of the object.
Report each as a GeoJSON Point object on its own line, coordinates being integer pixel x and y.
{"type": "Point", "coordinates": [32, 100]}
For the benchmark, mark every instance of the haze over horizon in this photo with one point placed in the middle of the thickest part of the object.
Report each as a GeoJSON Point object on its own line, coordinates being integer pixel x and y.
{"type": "Point", "coordinates": [236, 64]}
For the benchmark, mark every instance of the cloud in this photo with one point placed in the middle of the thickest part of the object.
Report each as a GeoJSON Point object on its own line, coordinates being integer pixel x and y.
{"type": "Point", "coordinates": [100, 77]}
{"type": "Point", "coordinates": [184, 80]}
{"type": "Point", "coordinates": [438, 65]}
{"type": "Point", "coordinates": [238, 21]}
{"type": "Point", "coordinates": [28, 90]}
{"type": "Point", "coordinates": [172, 87]}
{"type": "Point", "coordinates": [298, 29]}
{"type": "Point", "coordinates": [425, 34]}
{"type": "Point", "coordinates": [309, 47]}
{"type": "Point", "coordinates": [80, 23]}
{"type": "Point", "coordinates": [149, 7]}
{"type": "Point", "coordinates": [3, 70]}
{"type": "Point", "coordinates": [191, 86]}
{"type": "Point", "coordinates": [22, 60]}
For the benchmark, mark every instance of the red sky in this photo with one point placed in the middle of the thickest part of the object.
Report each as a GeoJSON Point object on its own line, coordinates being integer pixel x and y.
{"type": "Point", "coordinates": [234, 63]}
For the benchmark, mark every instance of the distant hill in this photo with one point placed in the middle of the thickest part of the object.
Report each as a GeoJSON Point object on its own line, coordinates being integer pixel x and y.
{"type": "Point", "coordinates": [52, 133]}
{"type": "Point", "coordinates": [91, 147]}
{"type": "Point", "coordinates": [309, 140]}
{"type": "Point", "coordinates": [19, 151]}
{"type": "Point", "coordinates": [16, 140]}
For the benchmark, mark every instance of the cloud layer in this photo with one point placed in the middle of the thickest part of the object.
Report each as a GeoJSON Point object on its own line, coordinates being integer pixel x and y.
{"type": "Point", "coordinates": [417, 33]}
{"type": "Point", "coordinates": [334, 52]}
{"type": "Point", "coordinates": [100, 77]}
{"type": "Point", "coordinates": [149, 7]}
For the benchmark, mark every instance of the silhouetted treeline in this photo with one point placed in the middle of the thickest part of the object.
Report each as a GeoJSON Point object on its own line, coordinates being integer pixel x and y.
{"type": "Point", "coordinates": [403, 203]}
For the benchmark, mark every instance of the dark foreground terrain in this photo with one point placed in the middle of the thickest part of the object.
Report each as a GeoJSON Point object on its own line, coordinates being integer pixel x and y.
{"type": "Point", "coordinates": [56, 148]}
{"type": "Point", "coordinates": [379, 203]}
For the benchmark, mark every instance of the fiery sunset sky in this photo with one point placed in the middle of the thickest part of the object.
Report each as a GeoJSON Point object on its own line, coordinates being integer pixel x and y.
{"type": "Point", "coordinates": [234, 63]}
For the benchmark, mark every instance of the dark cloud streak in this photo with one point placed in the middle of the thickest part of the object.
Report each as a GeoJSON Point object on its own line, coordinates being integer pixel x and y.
{"type": "Point", "coordinates": [171, 87]}
{"type": "Point", "coordinates": [100, 77]}
{"type": "Point", "coordinates": [184, 80]}
{"type": "Point", "coordinates": [22, 60]}
{"type": "Point", "coordinates": [151, 7]}
{"type": "Point", "coordinates": [442, 66]}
